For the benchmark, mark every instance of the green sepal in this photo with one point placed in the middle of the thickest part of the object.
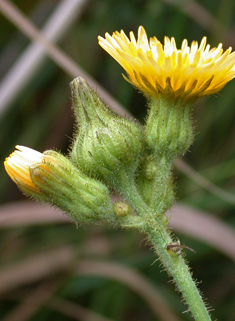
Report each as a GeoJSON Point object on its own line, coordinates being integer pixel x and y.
{"type": "Point", "coordinates": [169, 129]}
{"type": "Point", "coordinates": [60, 183]}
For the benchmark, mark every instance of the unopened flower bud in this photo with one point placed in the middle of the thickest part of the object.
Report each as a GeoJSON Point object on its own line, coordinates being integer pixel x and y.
{"type": "Point", "coordinates": [150, 169]}
{"type": "Point", "coordinates": [105, 142]}
{"type": "Point", "coordinates": [122, 209]}
{"type": "Point", "coordinates": [51, 177]}
{"type": "Point", "coordinates": [17, 166]}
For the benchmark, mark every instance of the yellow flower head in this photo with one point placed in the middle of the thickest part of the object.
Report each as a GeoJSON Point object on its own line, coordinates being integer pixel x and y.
{"type": "Point", "coordinates": [18, 163]}
{"type": "Point", "coordinates": [191, 71]}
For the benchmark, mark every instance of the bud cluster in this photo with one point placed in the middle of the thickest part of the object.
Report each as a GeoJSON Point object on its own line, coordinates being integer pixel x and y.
{"type": "Point", "coordinates": [108, 151]}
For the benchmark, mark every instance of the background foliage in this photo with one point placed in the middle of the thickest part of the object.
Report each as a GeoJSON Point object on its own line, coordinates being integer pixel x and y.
{"type": "Point", "coordinates": [40, 117]}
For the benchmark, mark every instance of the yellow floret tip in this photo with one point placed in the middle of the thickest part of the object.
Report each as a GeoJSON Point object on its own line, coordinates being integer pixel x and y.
{"type": "Point", "coordinates": [153, 68]}
{"type": "Point", "coordinates": [18, 163]}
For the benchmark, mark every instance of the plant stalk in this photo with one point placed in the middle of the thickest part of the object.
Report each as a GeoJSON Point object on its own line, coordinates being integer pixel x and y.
{"type": "Point", "coordinates": [155, 227]}
{"type": "Point", "coordinates": [176, 267]}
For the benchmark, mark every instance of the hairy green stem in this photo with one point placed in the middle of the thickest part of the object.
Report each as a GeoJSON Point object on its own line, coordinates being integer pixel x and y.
{"type": "Point", "coordinates": [162, 192]}
{"type": "Point", "coordinates": [176, 267]}
{"type": "Point", "coordinates": [158, 234]}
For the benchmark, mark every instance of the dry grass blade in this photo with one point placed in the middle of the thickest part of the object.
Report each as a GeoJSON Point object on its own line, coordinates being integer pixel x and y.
{"type": "Point", "coordinates": [30, 60]}
{"type": "Point", "coordinates": [204, 183]}
{"type": "Point", "coordinates": [199, 14]}
{"type": "Point", "coordinates": [186, 220]}
{"type": "Point", "coordinates": [204, 227]}
{"type": "Point", "coordinates": [43, 296]}
{"type": "Point", "coordinates": [33, 301]}
{"type": "Point", "coordinates": [25, 213]}
{"type": "Point", "coordinates": [75, 311]}
{"type": "Point", "coordinates": [40, 266]}
{"type": "Point", "coordinates": [131, 278]}
{"type": "Point", "coordinates": [57, 55]}
{"type": "Point", "coordinates": [35, 268]}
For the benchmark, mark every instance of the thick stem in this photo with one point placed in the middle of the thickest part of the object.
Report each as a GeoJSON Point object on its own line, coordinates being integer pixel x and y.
{"type": "Point", "coordinates": [125, 185]}
{"type": "Point", "coordinates": [162, 189]}
{"type": "Point", "coordinates": [176, 267]}
{"type": "Point", "coordinates": [158, 234]}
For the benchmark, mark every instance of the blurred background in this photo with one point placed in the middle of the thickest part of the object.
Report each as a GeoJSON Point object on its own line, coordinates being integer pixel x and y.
{"type": "Point", "coordinates": [51, 269]}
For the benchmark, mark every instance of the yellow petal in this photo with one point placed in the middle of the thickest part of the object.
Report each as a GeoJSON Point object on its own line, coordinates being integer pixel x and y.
{"type": "Point", "coordinates": [190, 67]}
{"type": "Point", "coordinates": [18, 163]}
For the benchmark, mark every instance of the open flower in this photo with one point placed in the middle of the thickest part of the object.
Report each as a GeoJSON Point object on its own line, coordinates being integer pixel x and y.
{"type": "Point", "coordinates": [191, 71]}
{"type": "Point", "coordinates": [18, 163]}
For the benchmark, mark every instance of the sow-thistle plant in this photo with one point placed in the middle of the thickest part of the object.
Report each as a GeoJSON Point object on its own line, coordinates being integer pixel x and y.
{"type": "Point", "coordinates": [113, 154]}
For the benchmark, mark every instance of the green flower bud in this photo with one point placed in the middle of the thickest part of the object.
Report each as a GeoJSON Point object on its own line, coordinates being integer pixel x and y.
{"type": "Point", "coordinates": [150, 169]}
{"type": "Point", "coordinates": [122, 209]}
{"type": "Point", "coordinates": [169, 129]}
{"type": "Point", "coordinates": [105, 143]}
{"type": "Point", "coordinates": [51, 177]}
